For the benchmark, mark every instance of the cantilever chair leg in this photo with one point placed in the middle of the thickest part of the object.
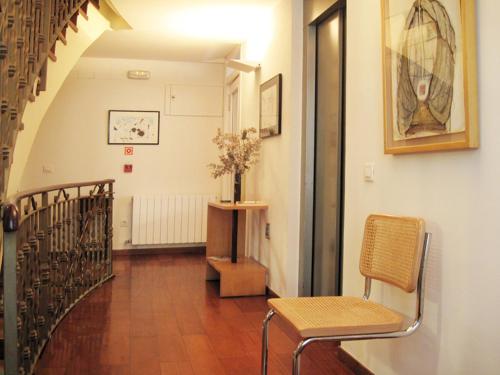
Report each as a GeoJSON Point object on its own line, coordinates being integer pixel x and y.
{"type": "Point", "coordinates": [296, 354]}
{"type": "Point", "coordinates": [296, 360]}
{"type": "Point", "coordinates": [265, 340]}
{"type": "Point", "coordinates": [296, 363]}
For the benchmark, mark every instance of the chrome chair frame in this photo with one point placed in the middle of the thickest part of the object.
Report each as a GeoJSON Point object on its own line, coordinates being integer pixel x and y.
{"type": "Point", "coordinates": [389, 335]}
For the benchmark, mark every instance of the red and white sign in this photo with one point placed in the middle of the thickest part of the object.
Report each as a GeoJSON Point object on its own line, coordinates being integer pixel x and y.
{"type": "Point", "coordinates": [128, 151]}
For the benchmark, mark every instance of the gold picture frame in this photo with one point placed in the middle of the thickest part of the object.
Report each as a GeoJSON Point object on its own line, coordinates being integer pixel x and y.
{"type": "Point", "coordinates": [429, 75]}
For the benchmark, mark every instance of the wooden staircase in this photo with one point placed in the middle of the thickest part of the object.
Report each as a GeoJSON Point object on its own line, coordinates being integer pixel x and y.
{"type": "Point", "coordinates": [29, 31]}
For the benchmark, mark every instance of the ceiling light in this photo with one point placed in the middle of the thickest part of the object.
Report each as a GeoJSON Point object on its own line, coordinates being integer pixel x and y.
{"type": "Point", "coordinates": [227, 23]}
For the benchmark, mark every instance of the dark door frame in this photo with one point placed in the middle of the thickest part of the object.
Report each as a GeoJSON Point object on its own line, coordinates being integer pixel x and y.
{"type": "Point", "coordinates": [308, 147]}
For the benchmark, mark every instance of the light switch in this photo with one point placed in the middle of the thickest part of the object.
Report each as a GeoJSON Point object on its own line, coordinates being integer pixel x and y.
{"type": "Point", "coordinates": [369, 172]}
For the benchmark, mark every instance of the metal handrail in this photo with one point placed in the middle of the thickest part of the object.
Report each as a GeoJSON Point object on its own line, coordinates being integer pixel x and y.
{"type": "Point", "coordinates": [57, 248]}
{"type": "Point", "coordinates": [27, 193]}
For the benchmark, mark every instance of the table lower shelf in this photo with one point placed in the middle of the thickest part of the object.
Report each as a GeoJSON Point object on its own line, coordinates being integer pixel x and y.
{"type": "Point", "coordinates": [245, 278]}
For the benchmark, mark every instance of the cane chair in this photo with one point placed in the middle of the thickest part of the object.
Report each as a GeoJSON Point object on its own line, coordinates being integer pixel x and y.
{"type": "Point", "coordinates": [394, 251]}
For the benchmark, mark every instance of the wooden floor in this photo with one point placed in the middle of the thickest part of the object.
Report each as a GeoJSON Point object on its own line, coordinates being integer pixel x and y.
{"type": "Point", "coordinates": [159, 316]}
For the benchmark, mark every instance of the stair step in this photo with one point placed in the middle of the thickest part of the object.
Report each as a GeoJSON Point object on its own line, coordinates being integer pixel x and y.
{"type": "Point", "coordinates": [52, 56]}
{"type": "Point", "coordinates": [62, 38]}
{"type": "Point", "coordinates": [83, 14]}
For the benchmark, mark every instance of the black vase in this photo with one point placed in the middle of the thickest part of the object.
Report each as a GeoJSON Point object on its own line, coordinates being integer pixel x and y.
{"type": "Point", "coordinates": [237, 187]}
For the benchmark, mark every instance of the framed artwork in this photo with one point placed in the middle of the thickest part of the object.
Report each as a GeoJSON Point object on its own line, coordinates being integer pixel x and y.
{"type": "Point", "coordinates": [270, 108]}
{"type": "Point", "coordinates": [133, 127]}
{"type": "Point", "coordinates": [430, 84]}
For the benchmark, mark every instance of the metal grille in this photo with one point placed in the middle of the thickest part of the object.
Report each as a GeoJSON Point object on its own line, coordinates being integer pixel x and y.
{"type": "Point", "coordinates": [56, 250]}
{"type": "Point", "coordinates": [29, 30]}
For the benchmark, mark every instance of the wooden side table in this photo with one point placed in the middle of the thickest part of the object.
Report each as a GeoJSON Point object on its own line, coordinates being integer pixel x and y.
{"type": "Point", "coordinates": [247, 277]}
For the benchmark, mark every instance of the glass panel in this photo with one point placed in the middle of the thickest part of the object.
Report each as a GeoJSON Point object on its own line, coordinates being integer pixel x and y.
{"type": "Point", "coordinates": [328, 159]}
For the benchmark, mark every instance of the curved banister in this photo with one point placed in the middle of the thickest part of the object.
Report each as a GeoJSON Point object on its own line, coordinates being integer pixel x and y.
{"type": "Point", "coordinates": [38, 191]}
{"type": "Point", "coordinates": [57, 248]}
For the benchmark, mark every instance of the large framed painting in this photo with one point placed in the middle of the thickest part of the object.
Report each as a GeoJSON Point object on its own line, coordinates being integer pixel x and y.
{"type": "Point", "coordinates": [430, 84]}
{"type": "Point", "coordinates": [270, 108]}
{"type": "Point", "coordinates": [134, 127]}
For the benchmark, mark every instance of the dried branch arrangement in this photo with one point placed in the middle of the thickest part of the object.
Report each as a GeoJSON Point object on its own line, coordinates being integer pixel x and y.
{"type": "Point", "coordinates": [238, 152]}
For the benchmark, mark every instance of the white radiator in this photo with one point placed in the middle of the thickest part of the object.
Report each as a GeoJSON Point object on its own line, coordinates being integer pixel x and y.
{"type": "Point", "coordinates": [165, 219]}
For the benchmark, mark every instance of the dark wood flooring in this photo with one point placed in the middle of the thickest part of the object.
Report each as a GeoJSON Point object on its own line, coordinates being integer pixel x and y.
{"type": "Point", "coordinates": [159, 316]}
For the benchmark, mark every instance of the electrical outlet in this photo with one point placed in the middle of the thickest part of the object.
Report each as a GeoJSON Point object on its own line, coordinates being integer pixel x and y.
{"type": "Point", "coordinates": [268, 231]}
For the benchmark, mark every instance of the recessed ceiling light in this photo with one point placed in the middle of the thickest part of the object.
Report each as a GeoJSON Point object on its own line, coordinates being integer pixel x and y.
{"type": "Point", "coordinates": [227, 23]}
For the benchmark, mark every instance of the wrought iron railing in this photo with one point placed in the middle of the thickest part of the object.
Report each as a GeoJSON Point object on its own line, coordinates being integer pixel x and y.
{"type": "Point", "coordinates": [29, 30]}
{"type": "Point", "coordinates": [57, 248]}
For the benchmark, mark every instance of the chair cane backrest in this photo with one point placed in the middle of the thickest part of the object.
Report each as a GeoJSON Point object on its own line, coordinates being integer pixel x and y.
{"type": "Point", "coordinates": [392, 250]}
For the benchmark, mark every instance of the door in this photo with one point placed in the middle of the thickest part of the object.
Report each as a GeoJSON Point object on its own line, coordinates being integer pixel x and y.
{"type": "Point", "coordinates": [328, 168]}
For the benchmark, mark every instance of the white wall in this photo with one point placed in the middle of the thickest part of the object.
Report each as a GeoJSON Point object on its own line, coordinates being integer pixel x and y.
{"type": "Point", "coordinates": [276, 178]}
{"type": "Point", "coordinates": [455, 192]}
{"type": "Point", "coordinates": [67, 56]}
{"type": "Point", "coordinates": [73, 136]}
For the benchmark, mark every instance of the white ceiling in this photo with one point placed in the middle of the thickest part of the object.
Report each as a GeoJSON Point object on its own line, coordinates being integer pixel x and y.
{"type": "Point", "coordinates": [184, 30]}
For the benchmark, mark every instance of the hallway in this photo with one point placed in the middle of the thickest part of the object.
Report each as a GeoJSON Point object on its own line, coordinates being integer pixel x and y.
{"type": "Point", "coordinates": [158, 316]}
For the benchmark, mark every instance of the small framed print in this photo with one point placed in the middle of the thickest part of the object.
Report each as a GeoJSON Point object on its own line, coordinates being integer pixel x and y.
{"type": "Point", "coordinates": [270, 108]}
{"type": "Point", "coordinates": [133, 127]}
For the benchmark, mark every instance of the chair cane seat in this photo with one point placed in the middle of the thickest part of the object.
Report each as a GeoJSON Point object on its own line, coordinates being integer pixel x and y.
{"type": "Point", "coordinates": [333, 316]}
